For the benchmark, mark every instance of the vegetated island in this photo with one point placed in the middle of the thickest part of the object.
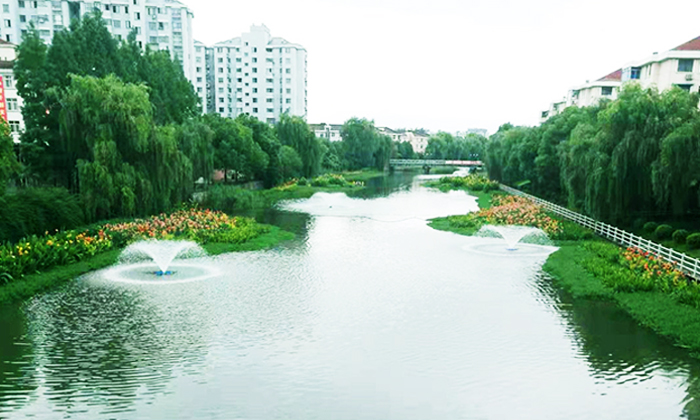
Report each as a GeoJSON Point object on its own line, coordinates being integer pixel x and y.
{"type": "Point", "coordinates": [648, 288]}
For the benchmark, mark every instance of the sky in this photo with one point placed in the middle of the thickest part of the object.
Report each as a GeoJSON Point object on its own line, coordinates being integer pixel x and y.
{"type": "Point", "coordinates": [452, 65]}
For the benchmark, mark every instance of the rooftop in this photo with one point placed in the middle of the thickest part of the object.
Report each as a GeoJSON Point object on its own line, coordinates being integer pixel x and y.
{"type": "Point", "coordinates": [692, 45]}
{"type": "Point", "coordinates": [615, 76]}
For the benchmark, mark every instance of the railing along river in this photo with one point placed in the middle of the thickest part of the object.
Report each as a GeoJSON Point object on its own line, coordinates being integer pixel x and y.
{"type": "Point", "coordinates": [686, 264]}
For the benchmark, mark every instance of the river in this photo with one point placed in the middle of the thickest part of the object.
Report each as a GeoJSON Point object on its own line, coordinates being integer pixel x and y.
{"type": "Point", "coordinates": [370, 314]}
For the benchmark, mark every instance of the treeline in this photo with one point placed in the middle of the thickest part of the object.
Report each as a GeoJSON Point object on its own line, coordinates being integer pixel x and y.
{"type": "Point", "coordinates": [119, 131]}
{"type": "Point", "coordinates": [635, 157]}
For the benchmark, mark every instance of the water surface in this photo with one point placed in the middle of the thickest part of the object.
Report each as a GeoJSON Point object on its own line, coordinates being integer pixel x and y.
{"type": "Point", "coordinates": [369, 315]}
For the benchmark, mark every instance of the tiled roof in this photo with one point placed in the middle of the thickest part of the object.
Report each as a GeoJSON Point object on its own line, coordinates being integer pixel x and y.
{"type": "Point", "coordinates": [3, 42]}
{"type": "Point", "coordinates": [692, 45]}
{"type": "Point", "coordinates": [615, 76]}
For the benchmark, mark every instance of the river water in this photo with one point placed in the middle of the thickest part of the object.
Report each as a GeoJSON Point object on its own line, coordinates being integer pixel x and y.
{"type": "Point", "coordinates": [370, 314]}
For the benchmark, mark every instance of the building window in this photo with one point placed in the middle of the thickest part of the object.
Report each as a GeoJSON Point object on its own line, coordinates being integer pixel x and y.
{"type": "Point", "coordinates": [8, 23]}
{"type": "Point", "coordinates": [288, 101]}
{"type": "Point", "coordinates": [289, 91]}
{"type": "Point", "coordinates": [685, 87]}
{"type": "Point", "coordinates": [14, 126]}
{"type": "Point", "coordinates": [255, 80]}
{"type": "Point", "coordinates": [288, 71]}
{"type": "Point", "coordinates": [635, 73]}
{"type": "Point", "coordinates": [21, 4]}
{"type": "Point", "coordinates": [606, 90]}
{"type": "Point", "coordinates": [270, 110]}
{"type": "Point", "coordinates": [270, 90]}
{"type": "Point", "coordinates": [221, 110]}
{"type": "Point", "coordinates": [255, 110]}
{"type": "Point", "coordinates": [685, 65]}
{"type": "Point", "coordinates": [12, 104]}
{"type": "Point", "coordinates": [255, 90]}
{"type": "Point", "coordinates": [269, 80]}
{"type": "Point", "coordinates": [269, 100]}
{"type": "Point", "coordinates": [138, 15]}
{"type": "Point", "coordinates": [9, 82]}
{"type": "Point", "coordinates": [255, 100]}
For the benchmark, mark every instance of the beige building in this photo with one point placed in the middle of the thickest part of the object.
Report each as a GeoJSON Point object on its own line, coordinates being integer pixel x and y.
{"type": "Point", "coordinates": [679, 67]}
{"type": "Point", "coordinates": [327, 131]}
{"type": "Point", "coordinates": [13, 103]}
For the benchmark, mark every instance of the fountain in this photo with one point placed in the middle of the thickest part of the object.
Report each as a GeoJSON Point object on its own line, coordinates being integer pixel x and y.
{"type": "Point", "coordinates": [514, 234]}
{"type": "Point", "coordinates": [146, 261]}
{"type": "Point", "coordinates": [161, 252]}
{"type": "Point", "coordinates": [520, 241]}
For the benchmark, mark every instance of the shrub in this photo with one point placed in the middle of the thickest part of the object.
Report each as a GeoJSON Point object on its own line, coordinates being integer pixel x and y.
{"type": "Point", "coordinates": [693, 241]}
{"type": "Point", "coordinates": [638, 223]}
{"type": "Point", "coordinates": [650, 227]}
{"type": "Point", "coordinates": [229, 198]}
{"type": "Point", "coordinates": [34, 211]}
{"type": "Point", "coordinates": [663, 231]}
{"type": "Point", "coordinates": [680, 236]}
{"type": "Point", "coordinates": [302, 182]}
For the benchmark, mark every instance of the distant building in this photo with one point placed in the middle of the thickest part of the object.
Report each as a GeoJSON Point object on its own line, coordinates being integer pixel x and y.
{"type": "Point", "coordinates": [12, 103]}
{"type": "Point", "coordinates": [480, 131]}
{"type": "Point", "coordinates": [327, 131]}
{"type": "Point", "coordinates": [160, 24]}
{"type": "Point", "coordinates": [254, 74]}
{"type": "Point", "coordinates": [679, 67]}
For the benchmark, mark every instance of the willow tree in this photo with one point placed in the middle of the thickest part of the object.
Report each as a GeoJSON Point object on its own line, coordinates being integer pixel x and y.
{"type": "Point", "coordinates": [124, 164]}
{"type": "Point", "coordinates": [294, 132]}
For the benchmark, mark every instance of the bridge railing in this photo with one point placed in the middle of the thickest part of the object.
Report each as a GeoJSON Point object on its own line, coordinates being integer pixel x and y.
{"type": "Point", "coordinates": [434, 162]}
{"type": "Point", "coordinates": [688, 265]}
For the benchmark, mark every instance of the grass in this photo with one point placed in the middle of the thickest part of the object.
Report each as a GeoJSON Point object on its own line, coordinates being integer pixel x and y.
{"type": "Point", "coordinates": [40, 282]}
{"type": "Point", "coordinates": [661, 312]}
{"type": "Point", "coordinates": [656, 310]}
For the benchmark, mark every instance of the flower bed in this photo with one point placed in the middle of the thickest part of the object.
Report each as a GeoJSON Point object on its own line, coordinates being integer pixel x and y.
{"type": "Point", "coordinates": [471, 182]}
{"type": "Point", "coordinates": [42, 252]}
{"type": "Point", "coordinates": [634, 270]}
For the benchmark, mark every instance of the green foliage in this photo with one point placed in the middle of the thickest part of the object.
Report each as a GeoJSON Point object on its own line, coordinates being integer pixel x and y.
{"type": "Point", "coordinates": [230, 199]}
{"type": "Point", "coordinates": [87, 49]}
{"type": "Point", "coordinates": [9, 165]}
{"type": "Point", "coordinates": [290, 163]}
{"type": "Point", "coordinates": [33, 211]}
{"type": "Point", "coordinates": [293, 131]}
{"type": "Point", "coordinates": [302, 182]}
{"type": "Point", "coordinates": [330, 180]}
{"type": "Point", "coordinates": [680, 236]}
{"type": "Point", "coordinates": [650, 227]}
{"type": "Point", "coordinates": [404, 150]}
{"type": "Point", "coordinates": [663, 232]}
{"type": "Point", "coordinates": [363, 146]}
{"type": "Point", "coordinates": [615, 161]}
{"type": "Point", "coordinates": [693, 241]}
{"type": "Point", "coordinates": [124, 164]}
{"type": "Point", "coordinates": [446, 146]}
{"type": "Point", "coordinates": [472, 182]}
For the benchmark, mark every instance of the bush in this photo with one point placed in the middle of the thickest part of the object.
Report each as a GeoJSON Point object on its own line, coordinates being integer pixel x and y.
{"type": "Point", "coordinates": [229, 199]}
{"type": "Point", "coordinates": [663, 231]}
{"type": "Point", "coordinates": [680, 236]}
{"type": "Point", "coordinates": [302, 182]}
{"type": "Point", "coordinates": [693, 241]}
{"type": "Point", "coordinates": [650, 227]}
{"type": "Point", "coordinates": [638, 223]}
{"type": "Point", "coordinates": [34, 211]}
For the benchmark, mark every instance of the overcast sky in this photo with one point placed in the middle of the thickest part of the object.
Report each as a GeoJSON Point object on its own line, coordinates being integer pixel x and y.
{"type": "Point", "coordinates": [452, 64]}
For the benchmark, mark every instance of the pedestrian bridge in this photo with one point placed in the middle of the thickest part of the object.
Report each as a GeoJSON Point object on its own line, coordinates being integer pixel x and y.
{"type": "Point", "coordinates": [427, 164]}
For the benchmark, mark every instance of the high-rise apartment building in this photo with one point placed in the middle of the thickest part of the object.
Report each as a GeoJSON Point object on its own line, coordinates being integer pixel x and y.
{"type": "Point", "coordinates": [255, 73]}
{"type": "Point", "coordinates": [161, 24]}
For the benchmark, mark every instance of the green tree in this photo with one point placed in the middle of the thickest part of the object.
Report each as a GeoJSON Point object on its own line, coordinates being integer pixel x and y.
{"type": "Point", "coordinates": [124, 164]}
{"type": "Point", "coordinates": [360, 142]}
{"type": "Point", "coordinates": [9, 166]}
{"type": "Point", "coordinates": [293, 131]}
{"type": "Point", "coordinates": [291, 164]}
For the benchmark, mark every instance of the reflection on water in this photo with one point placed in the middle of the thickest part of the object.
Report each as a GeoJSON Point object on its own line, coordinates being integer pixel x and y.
{"type": "Point", "coordinates": [370, 315]}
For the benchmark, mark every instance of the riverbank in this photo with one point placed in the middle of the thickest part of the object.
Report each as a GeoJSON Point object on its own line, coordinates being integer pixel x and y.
{"type": "Point", "coordinates": [32, 284]}
{"type": "Point", "coordinates": [235, 200]}
{"type": "Point", "coordinates": [652, 292]}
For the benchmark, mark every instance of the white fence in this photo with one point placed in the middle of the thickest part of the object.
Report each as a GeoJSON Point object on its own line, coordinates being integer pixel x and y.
{"type": "Point", "coordinates": [688, 265]}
